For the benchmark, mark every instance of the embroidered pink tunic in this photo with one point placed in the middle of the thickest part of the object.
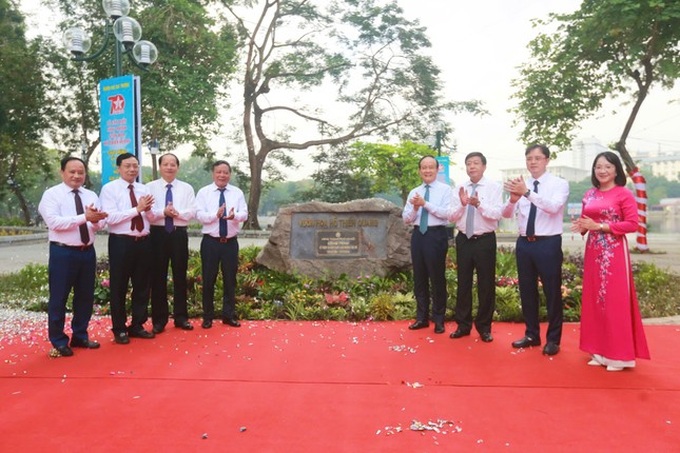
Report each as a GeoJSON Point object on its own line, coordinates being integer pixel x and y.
{"type": "Point", "coordinates": [611, 325]}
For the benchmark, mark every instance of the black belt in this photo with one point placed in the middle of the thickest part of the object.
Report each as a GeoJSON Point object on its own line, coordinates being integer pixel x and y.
{"type": "Point", "coordinates": [435, 227]}
{"type": "Point", "coordinates": [158, 227]}
{"type": "Point", "coordinates": [538, 238]}
{"type": "Point", "coordinates": [220, 240]}
{"type": "Point", "coordinates": [474, 237]}
{"type": "Point", "coordinates": [130, 237]}
{"type": "Point", "coordinates": [82, 248]}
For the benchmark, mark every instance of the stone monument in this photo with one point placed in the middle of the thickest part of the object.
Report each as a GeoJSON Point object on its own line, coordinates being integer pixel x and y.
{"type": "Point", "coordinates": [330, 239]}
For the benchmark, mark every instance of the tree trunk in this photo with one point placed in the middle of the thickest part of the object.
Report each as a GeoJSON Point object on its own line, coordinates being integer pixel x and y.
{"type": "Point", "coordinates": [254, 196]}
{"type": "Point", "coordinates": [23, 205]}
{"type": "Point", "coordinates": [640, 196]}
{"type": "Point", "coordinates": [631, 168]}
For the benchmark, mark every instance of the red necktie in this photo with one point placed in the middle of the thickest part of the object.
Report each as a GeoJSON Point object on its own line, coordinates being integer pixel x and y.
{"type": "Point", "coordinates": [137, 222]}
{"type": "Point", "coordinates": [84, 234]}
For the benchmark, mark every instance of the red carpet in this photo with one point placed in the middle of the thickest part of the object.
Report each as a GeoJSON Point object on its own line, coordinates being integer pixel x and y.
{"type": "Point", "coordinates": [333, 387]}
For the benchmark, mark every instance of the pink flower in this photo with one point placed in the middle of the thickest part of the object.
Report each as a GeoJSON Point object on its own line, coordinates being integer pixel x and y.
{"type": "Point", "coordinates": [336, 298]}
{"type": "Point", "coordinates": [106, 283]}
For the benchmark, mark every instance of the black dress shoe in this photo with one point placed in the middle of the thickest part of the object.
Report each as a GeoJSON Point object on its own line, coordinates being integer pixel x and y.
{"type": "Point", "coordinates": [231, 322]}
{"type": "Point", "coordinates": [186, 325]}
{"type": "Point", "coordinates": [87, 344]}
{"type": "Point", "coordinates": [419, 325]}
{"type": "Point", "coordinates": [439, 328]}
{"type": "Point", "coordinates": [551, 348]}
{"type": "Point", "coordinates": [121, 338]}
{"type": "Point", "coordinates": [486, 337]}
{"type": "Point", "coordinates": [207, 323]}
{"type": "Point", "coordinates": [64, 351]}
{"type": "Point", "coordinates": [459, 333]}
{"type": "Point", "coordinates": [141, 333]}
{"type": "Point", "coordinates": [158, 328]}
{"type": "Point", "coordinates": [525, 342]}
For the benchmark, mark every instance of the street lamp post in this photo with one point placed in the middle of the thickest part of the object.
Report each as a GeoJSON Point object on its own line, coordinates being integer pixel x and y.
{"type": "Point", "coordinates": [154, 149]}
{"type": "Point", "coordinates": [126, 32]}
{"type": "Point", "coordinates": [438, 136]}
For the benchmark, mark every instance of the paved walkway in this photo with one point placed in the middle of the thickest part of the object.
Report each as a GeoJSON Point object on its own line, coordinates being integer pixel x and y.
{"type": "Point", "coordinates": [665, 249]}
{"type": "Point", "coordinates": [17, 255]}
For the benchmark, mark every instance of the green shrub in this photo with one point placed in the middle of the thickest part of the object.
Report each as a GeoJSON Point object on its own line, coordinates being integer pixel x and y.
{"type": "Point", "coordinates": [382, 307]}
{"type": "Point", "coordinates": [28, 288]}
{"type": "Point", "coordinates": [508, 304]}
{"type": "Point", "coordinates": [266, 294]}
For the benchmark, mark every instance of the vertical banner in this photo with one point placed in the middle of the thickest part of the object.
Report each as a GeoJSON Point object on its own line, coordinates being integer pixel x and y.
{"type": "Point", "coordinates": [443, 169]}
{"type": "Point", "coordinates": [138, 125]}
{"type": "Point", "coordinates": [119, 121]}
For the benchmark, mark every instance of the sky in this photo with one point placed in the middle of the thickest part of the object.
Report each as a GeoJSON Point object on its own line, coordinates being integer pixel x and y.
{"type": "Point", "coordinates": [479, 46]}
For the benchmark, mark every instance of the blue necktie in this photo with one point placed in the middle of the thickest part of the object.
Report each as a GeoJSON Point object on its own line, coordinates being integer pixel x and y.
{"type": "Point", "coordinates": [223, 220]}
{"type": "Point", "coordinates": [470, 217]}
{"type": "Point", "coordinates": [169, 221]}
{"type": "Point", "coordinates": [423, 212]}
{"type": "Point", "coordinates": [531, 224]}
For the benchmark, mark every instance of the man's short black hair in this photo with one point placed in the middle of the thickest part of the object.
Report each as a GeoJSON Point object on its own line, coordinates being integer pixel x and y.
{"type": "Point", "coordinates": [122, 157]}
{"type": "Point", "coordinates": [68, 159]}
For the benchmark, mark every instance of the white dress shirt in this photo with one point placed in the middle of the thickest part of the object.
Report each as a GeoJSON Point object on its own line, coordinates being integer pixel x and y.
{"type": "Point", "coordinates": [58, 209]}
{"type": "Point", "coordinates": [208, 203]}
{"type": "Point", "coordinates": [439, 205]}
{"type": "Point", "coordinates": [183, 200]}
{"type": "Point", "coordinates": [115, 199]}
{"type": "Point", "coordinates": [550, 199]}
{"type": "Point", "coordinates": [487, 214]}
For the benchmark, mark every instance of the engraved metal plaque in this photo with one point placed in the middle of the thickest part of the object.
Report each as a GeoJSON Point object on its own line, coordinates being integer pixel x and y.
{"type": "Point", "coordinates": [332, 235]}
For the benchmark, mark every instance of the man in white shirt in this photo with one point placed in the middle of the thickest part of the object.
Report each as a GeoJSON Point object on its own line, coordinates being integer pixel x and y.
{"type": "Point", "coordinates": [427, 209]}
{"type": "Point", "coordinates": [72, 215]}
{"type": "Point", "coordinates": [221, 208]}
{"type": "Point", "coordinates": [127, 203]}
{"type": "Point", "coordinates": [170, 243]}
{"type": "Point", "coordinates": [539, 204]}
{"type": "Point", "coordinates": [477, 209]}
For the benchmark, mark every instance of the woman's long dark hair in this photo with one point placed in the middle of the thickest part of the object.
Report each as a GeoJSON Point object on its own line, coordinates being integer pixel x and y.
{"type": "Point", "coordinates": [612, 158]}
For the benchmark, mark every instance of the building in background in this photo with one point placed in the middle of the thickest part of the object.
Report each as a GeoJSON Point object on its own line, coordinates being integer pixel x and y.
{"type": "Point", "coordinates": [573, 165]}
{"type": "Point", "coordinates": [666, 164]}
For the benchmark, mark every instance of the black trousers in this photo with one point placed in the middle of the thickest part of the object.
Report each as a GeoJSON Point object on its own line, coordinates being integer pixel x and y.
{"type": "Point", "coordinates": [476, 254]}
{"type": "Point", "coordinates": [129, 260]}
{"type": "Point", "coordinates": [169, 249]}
{"type": "Point", "coordinates": [541, 259]}
{"type": "Point", "coordinates": [428, 255]}
{"type": "Point", "coordinates": [216, 255]}
{"type": "Point", "coordinates": [70, 269]}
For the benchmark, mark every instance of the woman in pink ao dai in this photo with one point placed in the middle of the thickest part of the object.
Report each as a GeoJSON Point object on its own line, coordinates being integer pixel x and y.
{"type": "Point", "coordinates": [611, 325]}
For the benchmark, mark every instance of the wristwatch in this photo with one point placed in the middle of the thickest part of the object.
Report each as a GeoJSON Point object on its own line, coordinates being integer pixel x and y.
{"type": "Point", "coordinates": [527, 193]}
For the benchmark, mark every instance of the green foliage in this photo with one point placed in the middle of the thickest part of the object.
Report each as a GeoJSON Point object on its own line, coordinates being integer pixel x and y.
{"type": "Point", "coordinates": [657, 290]}
{"type": "Point", "coordinates": [265, 294]}
{"type": "Point", "coordinates": [336, 181]}
{"type": "Point", "coordinates": [368, 51]}
{"type": "Point", "coordinates": [604, 49]}
{"type": "Point", "coordinates": [27, 288]}
{"type": "Point", "coordinates": [508, 304]}
{"type": "Point", "coordinates": [23, 159]}
{"type": "Point", "coordinates": [382, 307]}
{"type": "Point", "coordinates": [389, 167]}
{"type": "Point", "coordinates": [180, 93]}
